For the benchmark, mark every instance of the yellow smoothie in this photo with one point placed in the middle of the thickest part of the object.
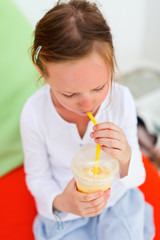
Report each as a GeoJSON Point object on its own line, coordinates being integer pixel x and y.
{"type": "Point", "coordinates": [99, 182]}
{"type": "Point", "coordinates": [83, 169]}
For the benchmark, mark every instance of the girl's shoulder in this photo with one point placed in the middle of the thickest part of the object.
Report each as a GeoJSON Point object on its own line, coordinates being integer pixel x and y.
{"type": "Point", "coordinates": [38, 98]}
{"type": "Point", "coordinates": [120, 102]}
{"type": "Point", "coordinates": [121, 89]}
{"type": "Point", "coordinates": [39, 93]}
{"type": "Point", "coordinates": [120, 107]}
{"type": "Point", "coordinates": [36, 103]}
{"type": "Point", "coordinates": [121, 94]}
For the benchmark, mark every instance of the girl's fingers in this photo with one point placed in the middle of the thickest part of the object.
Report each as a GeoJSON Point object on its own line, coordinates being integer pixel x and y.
{"type": "Point", "coordinates": [96, 211]}
{"type": "Point", "coordinates": [107, 125]}
{"type": "Point", "coordinates": [93, 207]}
{"type": "Point", "coordinates": [86, 197]}
{"type": "Point", "coordinates": [95, 203]}
{"type": "Point", "coordinates": [107, 133]}
{"type": "Point", "coordinates": [97, 207]}
{"type": "Point", "coordinates": [110, 143]}
{"type": "Point", "coordinates": [112, 151]}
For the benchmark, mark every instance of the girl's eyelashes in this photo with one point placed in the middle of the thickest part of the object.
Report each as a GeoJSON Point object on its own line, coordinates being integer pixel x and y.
{"type": "Point", "coordinates": [68, 96]}
{"type": "Point", "coordinates": [99, 89]}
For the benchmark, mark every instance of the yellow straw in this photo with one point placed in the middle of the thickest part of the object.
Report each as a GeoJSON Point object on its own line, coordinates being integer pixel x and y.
{"type": "Point", "coordinates": [92, 118]}
{"type": "Point", "coordinates": [98, 145]}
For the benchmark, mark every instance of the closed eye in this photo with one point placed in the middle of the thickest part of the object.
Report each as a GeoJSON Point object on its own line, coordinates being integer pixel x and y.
{"type": "Point", "coordinates": [69, 96]}
{"type": "Point", "coordinates": [99, 89]}
{"type": "Point", "coordinates": [72, 95]}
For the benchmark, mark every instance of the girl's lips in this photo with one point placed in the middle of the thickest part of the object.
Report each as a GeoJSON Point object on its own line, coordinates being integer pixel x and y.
{"type": "Point", "coordinates": [92, 111]}
{"type": "Point", "coordinates": [87, 112]}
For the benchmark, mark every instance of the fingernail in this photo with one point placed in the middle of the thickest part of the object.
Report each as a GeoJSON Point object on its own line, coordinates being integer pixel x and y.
{"type": "Point", "coordinates": [92, 134]}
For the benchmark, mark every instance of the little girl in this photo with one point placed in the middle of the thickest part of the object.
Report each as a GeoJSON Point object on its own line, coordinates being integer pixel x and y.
{"type": "Point", "coordinates": [73, 51]}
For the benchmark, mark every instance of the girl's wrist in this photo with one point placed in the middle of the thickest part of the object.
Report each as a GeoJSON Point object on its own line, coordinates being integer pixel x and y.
{"type": "Point", "coordinates": [57, 204]}
{"type": "Point", "coordinates": [124, 169]}
{"type": "Point", "coordinates": [124, 166]}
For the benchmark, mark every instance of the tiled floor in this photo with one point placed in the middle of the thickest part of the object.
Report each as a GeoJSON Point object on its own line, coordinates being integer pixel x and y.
{"type": "Point", "coordinates": [145, 88]}
{"type": "Point", "coordinates": [144, 85]}
{"type": "Point", "coordinates": [142, 82]}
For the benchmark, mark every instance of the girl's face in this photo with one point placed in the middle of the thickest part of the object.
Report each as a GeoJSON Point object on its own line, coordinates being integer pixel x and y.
{"type": "Point", "coordinates": [79, 86]}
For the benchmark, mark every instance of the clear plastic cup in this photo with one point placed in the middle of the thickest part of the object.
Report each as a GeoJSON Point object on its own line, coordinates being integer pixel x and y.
{"type": "Point", "coordinates": [83, 166]}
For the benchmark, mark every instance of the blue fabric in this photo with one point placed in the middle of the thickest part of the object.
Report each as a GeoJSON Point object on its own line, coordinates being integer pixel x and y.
{"type": "Point", "coordinates": [130, 219]}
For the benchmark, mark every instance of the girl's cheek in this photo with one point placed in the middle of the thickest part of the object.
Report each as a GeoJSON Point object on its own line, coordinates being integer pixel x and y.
{"type": "Point", "coordinates": [68, 103]}
{"type": "Point", "coordinates": [102, 98]}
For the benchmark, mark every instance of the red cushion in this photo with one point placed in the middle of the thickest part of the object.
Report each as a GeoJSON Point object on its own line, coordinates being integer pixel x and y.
{"type": "Point", "coordinates": [17, 208]}
{"type": "Point", "coordinates": [151, 189]}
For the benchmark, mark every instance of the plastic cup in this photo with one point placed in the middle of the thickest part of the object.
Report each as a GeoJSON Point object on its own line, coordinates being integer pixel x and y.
{"type": "Point", "coordinates": [83, 170]}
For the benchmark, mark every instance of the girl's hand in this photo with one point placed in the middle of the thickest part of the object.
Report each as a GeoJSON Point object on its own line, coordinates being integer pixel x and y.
{"type": "Point", "coordinates": [82, 204]}
{"type": "Point", "coordinates": [114, 142]}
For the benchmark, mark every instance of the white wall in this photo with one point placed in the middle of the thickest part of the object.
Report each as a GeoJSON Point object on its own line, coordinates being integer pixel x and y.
{"type": "Point", "coordinates": [127, 21]}
{"type": "Point", "coordinates": [151, 41]}
{"type": "Point", "coordinates": [135, 26]}
{"type": "Point", "coordinates": [34, 9]}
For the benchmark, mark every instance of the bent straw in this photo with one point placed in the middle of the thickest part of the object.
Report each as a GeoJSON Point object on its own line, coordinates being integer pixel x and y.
{"type": "Point", "coordinates": [98, 145]}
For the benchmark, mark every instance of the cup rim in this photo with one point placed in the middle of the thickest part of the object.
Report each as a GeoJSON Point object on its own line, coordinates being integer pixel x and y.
{"type": "Point", "coordinates": [112, 173]}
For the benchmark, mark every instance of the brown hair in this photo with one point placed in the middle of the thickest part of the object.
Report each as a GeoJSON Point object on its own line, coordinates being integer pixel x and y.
{"type": "Point", "coordinates": [70, 31]}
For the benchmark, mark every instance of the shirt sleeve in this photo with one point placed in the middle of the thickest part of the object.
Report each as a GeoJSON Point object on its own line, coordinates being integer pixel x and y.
{"type": "Point", "coordinates": [39, 179]}
{"type": "Point", "coordinates": [136, 173]}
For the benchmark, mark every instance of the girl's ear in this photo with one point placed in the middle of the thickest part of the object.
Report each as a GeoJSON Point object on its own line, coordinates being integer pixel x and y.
{"type": "Point", "coordinates": [38, 69]}
{"type": "Point", "coordinates": [41, 73]}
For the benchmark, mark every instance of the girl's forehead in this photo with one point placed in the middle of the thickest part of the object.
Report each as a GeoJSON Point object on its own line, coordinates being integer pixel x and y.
{"type": "Point", "coordinates": [89, 72]}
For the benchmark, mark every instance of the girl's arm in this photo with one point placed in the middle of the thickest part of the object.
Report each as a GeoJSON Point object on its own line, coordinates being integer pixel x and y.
{"type": "Point", "coordinates": [122, 143]}
{"type": "Point", "coordinates": [37, 168]}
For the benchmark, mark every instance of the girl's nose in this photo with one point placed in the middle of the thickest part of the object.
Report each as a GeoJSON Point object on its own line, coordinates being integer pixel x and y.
{"type": "Point", "coordinates": [86, 103]}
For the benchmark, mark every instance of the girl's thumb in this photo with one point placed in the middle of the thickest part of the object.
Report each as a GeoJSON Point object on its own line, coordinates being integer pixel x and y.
{"type": "Point", "coordinates": [72, 183]}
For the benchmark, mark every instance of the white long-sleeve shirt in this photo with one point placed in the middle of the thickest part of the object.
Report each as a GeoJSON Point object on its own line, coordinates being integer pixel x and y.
{"type": "Point", "coordinates": [50, 143]}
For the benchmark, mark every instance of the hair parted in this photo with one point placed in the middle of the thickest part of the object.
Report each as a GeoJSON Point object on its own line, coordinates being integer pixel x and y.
{"type": "Point", "coordinates": [71, 31]}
